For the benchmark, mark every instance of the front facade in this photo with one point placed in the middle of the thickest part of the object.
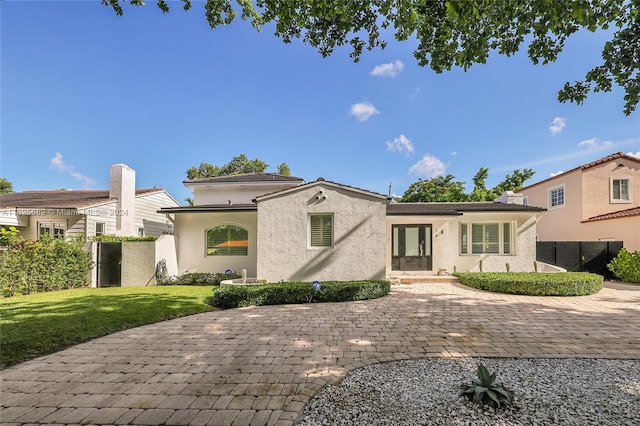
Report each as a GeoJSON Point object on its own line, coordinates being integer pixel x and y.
{"type": "Point", "coordinates": [323, 230]}
{"type": "Point", "coordinates": [120, 210]}
{"type": "Point", "coordinates": [449, 237]}
{"type": "Point", "coordinates": [598, 201]}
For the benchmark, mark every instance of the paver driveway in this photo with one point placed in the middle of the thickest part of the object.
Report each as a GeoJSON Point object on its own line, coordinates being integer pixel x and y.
{"type": "Point", "coordinates": [260, 365]}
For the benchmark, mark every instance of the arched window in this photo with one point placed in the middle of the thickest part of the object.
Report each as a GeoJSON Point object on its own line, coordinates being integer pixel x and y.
{"type": "Point", "coordinates": [227, 240]}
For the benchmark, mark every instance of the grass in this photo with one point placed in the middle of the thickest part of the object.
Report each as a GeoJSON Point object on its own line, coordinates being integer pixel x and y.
{"type": "Point", "coordinates": [43, 323]}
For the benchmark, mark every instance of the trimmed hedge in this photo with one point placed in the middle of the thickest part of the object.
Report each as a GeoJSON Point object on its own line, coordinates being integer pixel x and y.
{"type": "Point", "coordinates": [534, 283]}
{"type": "Point", "coordinates": [234, 296]}
{"type": "Point", "coordinates": [120, 239]}
{"type": "Point", "coordinates": [45, 265]}
{"type": "Point", "coordinates": [198, 278]}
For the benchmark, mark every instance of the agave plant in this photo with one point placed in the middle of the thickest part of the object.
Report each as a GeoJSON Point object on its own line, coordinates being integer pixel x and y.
{"type": "Point", "coordinates": [486, 389]}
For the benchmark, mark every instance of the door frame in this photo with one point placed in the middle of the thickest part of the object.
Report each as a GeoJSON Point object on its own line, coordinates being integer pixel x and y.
{"type": "Point", "coordinates": [422, 262]}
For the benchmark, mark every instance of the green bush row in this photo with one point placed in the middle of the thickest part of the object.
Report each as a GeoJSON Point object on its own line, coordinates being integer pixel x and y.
{"type": "Point", "coordinates": [234, 296]}
{"type": "Point", "coordinates": [120, 239]}
{"type": "Point", "coordinates": [534, 283]}
{"type": "Point", "coordinates": [45, 265]}
{"type": "Point", "coordinates": [198, 278]}
{"type": "Point", "coordinates": [626, 266]}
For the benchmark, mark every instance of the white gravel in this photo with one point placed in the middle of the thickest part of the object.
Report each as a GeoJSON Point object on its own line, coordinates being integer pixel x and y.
{"type": "Point", "coordinates": [428, 392]}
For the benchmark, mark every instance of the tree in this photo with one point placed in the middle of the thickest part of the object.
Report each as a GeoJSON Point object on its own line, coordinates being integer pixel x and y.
{"type": "Point", "coordinates": [6, 187]}
{"type": "Point", "coordinates": [238, 165]}
{"type": "Point", "coordinates": [283, 169]}
{"type": "Point", "coordinates": [510, 183]}
{"type": "Point", "coordinates": [446, 189]}
{"type": "Point", "coordinates": [452, 33]}
{"type": "Point", "coordinates": [438, 189]}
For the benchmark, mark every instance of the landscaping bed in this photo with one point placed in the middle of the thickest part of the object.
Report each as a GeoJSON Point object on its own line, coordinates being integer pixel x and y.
{"type": "Point", "coordinates": [534, 283]}
{"type": "Point", "coordinates": [234, 296]}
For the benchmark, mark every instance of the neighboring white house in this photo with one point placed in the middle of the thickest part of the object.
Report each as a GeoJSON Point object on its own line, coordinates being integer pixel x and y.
{"type": "Point", "coordinates": [121, 210]}
{"type": "Point", "coordinates": [281, 228]}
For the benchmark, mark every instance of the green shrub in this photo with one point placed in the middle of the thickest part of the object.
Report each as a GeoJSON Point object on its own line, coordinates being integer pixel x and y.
{"type": "Point", "coordinates": [233, 296]}
{"type": "Point", "coordinates": [119, 239]}
{"type": "Point", "coordinates": [534, 283]}
{"type": "Point", "coordinates": [486, 389]}
{"type": "Point", "coordinates": [45, 265]}
{"type": "Point", "coordinates": [198, 278]}
{"type": "Point", "coordinates": [626, 266]}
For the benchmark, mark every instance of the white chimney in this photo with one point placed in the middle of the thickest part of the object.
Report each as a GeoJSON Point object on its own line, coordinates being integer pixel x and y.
{"type": "Point", "coordinates": [122, 186]}
{"type": "Point", "coordinates": [509, 197]}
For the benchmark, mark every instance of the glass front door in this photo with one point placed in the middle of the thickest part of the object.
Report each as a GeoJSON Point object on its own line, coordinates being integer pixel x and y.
{"type": "Point", "coordinates": [411, 248]}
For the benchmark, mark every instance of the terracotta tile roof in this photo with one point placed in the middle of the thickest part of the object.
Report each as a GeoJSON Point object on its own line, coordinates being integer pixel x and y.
{"type": "Point", "coordinates": [455, 209]}
{"type": "Point", "coordinates": [248, 178]}
{"type": "Point", "coordinates": [612, 157]}
{"type": "Point", "coordinates": [635, 211]}
{"type": "Point", "coordinates": [63, 198]}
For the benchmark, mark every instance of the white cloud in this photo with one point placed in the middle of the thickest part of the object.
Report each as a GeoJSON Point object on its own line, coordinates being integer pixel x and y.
{"type": "Point", "coordinates": [634, 154]}
{"type": "Point", "coordinates": [594, 144]}
{"type": "Point", "coordinates": [388, 70]}
{"type": "Point", "coordinates": [559, 172]}
{"type": "Point", "coordinates": [454, 153]}
{"type": "Point", "coordinates": [557, 125]}
{"type": "Point", "coordinates": [429, 166]}
{"type": "Point", "coordinates": [399, 144]}
{"type": "Point", "coordinates": [57, 163]}
{"type": "Point", "coordinates": [363, 110]}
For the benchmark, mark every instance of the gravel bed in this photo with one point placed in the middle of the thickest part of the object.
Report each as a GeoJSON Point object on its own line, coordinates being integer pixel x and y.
{"type": "Point", "coordinates": [428, 392]}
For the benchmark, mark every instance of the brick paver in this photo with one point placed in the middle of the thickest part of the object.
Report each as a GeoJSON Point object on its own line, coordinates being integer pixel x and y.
{"type": "Point", "coordinates": [260, 365]}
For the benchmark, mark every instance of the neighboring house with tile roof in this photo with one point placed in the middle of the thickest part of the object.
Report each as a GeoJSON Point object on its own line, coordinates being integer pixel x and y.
{"type": "Point", "coordinates": [597, 201]}
{"type": "Point", "coordinates": [282, 228]}
{"type": "Point", "coordinates": [121, 210]}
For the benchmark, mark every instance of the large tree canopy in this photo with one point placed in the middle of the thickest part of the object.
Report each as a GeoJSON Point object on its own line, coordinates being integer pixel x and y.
{"type": "Point", "coordinates": [452, 33]}
{"type": "Point", "coordinates": [238, 164]}
{"type": "Point", "coordinates": [447, 189]}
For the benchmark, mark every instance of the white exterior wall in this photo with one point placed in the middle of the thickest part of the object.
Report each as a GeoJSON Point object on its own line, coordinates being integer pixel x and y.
{"type": "Point", "coordinates": [191, 242]}
{"type": "Point", "coordinates": [446, 241]}
{"type": "Point", "coordinates": [284, 251]}
{"type": "Point", "coordinates": [237, 193]}
{"type": "Point", "coordinates": [166, 250]}
{"type": "Point", "coordinates": [147, 216]}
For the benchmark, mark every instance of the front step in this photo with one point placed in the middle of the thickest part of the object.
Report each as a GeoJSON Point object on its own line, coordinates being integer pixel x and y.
{"type": "Point", "coordinates": [424, 279]}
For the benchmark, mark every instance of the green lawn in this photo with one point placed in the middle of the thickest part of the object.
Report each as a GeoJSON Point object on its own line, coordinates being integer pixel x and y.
{"type": "Point", "coordinates": [40, 324]}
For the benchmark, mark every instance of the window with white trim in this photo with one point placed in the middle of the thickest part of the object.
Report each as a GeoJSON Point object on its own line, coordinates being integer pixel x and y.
{"type": "Point", "coordinates": [525, 201]}
{"type": "Point", "coordinates": [486, 238]}
{"type": "Point", "coordinates": [100, 228]}
{"type": "Point", "coordinates": [227, 240]}
{"type": "Point", "coordinates": [620, 190]}
{"type": "Point", "coordinates": [51, 229]}
{"type": "Point", "coordinates": [556, 197]}
{"type": "Point", "coordinates": [321, 230]}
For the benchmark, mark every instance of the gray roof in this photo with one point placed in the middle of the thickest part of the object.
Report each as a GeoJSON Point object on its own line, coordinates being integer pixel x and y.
{"type": "Point", "coordinates": [321, 181]}
{"type": "Point", "coordinates": [209, 208]}
{"type": "Point", "coordinates": [455, 209]}
{"type": "Point", "coordinates": [248, 178]}
{"type": "Point", "coordinates": [62, 198]}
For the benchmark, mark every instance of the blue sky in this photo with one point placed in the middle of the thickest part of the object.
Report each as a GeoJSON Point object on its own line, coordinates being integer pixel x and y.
{"type": "Point", "coordinates": [82, 88]}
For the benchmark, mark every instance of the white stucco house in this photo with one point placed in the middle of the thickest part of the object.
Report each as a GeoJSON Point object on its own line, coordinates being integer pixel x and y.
{"type": "Point", "coordinates": [283, 228]}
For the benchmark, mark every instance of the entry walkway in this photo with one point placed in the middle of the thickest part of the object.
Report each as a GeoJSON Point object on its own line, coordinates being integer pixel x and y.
{"type": "Point", "coordinates": [260, 365]}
